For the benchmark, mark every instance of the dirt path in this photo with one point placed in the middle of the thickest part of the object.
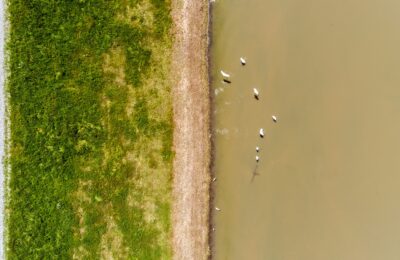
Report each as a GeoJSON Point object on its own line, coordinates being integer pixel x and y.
{"type": "Point", "coordinates": [191, 135]}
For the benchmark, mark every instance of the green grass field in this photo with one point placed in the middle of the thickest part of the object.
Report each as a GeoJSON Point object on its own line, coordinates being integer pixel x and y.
{"type": "Point", "coordinates": [91, 129]}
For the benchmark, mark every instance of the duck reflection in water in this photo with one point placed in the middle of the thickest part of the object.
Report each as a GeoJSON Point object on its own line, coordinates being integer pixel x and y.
{"type": "Point", "coordinates": [255, 173]}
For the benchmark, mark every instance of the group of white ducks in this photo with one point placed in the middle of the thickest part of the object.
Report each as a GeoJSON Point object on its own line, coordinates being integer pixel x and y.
{"type": "Point", "coordinates": [226, 78]}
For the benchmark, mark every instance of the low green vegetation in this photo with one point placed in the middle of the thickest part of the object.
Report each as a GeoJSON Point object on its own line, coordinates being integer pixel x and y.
{"type": "Point", "coordinates": [91, 129]}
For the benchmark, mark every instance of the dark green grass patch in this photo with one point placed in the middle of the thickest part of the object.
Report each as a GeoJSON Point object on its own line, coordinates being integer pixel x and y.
{"type": "Point", "coordinates": [63, 134]}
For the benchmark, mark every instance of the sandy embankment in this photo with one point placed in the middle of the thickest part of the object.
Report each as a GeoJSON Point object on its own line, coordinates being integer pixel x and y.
{"type": "Point", "coordinates": [192, 130]}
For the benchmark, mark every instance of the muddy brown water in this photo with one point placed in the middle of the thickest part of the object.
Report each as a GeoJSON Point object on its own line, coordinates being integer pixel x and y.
{"type": "Point", "coordinates": [328, 182]}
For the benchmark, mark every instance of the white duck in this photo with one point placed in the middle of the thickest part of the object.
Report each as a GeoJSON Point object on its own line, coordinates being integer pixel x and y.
{"type": "Point", "coordinates": [261, 132]}
{"type": "Point", "coordinates": [224, 74]}
{"type": "Point", "coordinates": [256, 93]}
{"type": "Point", "coordinates": [242, 61]}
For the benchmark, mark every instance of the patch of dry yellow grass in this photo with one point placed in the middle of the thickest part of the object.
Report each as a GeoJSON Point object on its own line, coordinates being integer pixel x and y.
{"type": "Point", "coordinates": [152, 174]}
